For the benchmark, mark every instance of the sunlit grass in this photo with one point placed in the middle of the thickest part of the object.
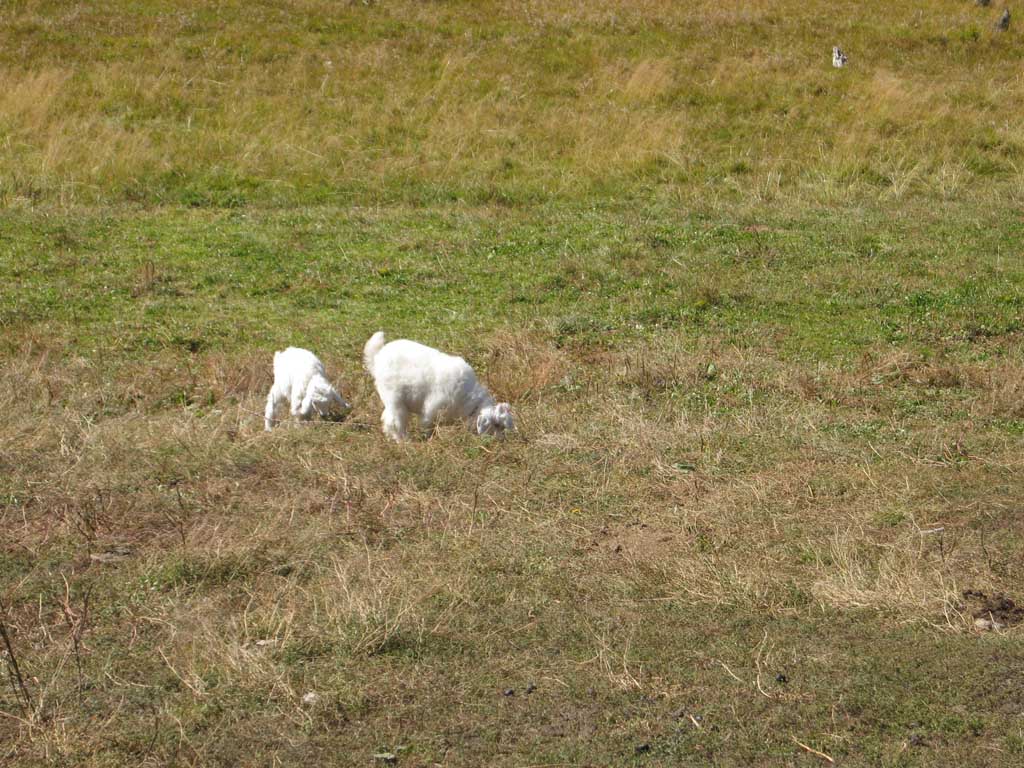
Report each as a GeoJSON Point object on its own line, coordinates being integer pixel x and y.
{"type": "Point", "coordinates": [760, 321]}
{"type": "Point", "coordinates": [183, 103]}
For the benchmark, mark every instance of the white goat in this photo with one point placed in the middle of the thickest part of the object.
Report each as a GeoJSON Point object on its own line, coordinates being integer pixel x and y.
{"type": "Point", "coordinates": [413, 379]}
{"type": "Point", "coordinates": [300, 379]}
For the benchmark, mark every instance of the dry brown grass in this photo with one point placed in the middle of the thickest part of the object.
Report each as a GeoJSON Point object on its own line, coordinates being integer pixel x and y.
{"type": "Point", "coordinates": [730, 100]}
{"type": "Point", "coordinates": [252, 552]}
{"type": "Point", "coordinates": [755, 439]}
{"type": "Point", "coordinates": [522, 368]}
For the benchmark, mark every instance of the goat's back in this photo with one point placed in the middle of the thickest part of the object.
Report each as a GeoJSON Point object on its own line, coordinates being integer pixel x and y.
{"type": "Point", "coordinates": [296, 364]}
{"type": "Point", "coordinates": [416, 369]}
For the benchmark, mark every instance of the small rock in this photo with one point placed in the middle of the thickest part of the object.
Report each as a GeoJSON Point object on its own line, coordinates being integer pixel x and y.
{"type": "Point", "coordinates": [386, 757]}
{"type": "Point", "coordinates": [114, 554]}
{"type": "Point", "coordinates": [781, 678]}
{"type": "Point", "coordinates": [641, 749]}
{"type": "Point", "coordinates": [509, 692]}
{"type": "Point", "coordinates": [311, 698]}
{"type": "Point", "coordinates": [986, 624]}
{"type": "Point", "coordinates": [530, 689]}
{"type": "Point", "coordinates": [916, 740]}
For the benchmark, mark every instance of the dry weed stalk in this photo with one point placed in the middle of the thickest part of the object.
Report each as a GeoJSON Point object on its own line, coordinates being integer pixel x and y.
{"type": "Point", "coordinates": [13, 669]}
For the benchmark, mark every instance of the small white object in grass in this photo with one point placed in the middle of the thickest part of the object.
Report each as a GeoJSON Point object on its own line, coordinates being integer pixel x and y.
{"type": "Point", "coordinates": [311, 698]}
{"type": "Point", "coordinates": [416, 380]}
{"type": "Point", "coordinates": [301, 381]}
{"type": "Point", "coordinates": [839, 58]}
{"type": "Point", "coordinates": [986, 624]}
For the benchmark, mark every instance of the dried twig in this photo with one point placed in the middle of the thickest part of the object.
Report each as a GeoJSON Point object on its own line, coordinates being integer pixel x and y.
{"type": "Point", "coordinates": [198, 693]}
{"type": "Point", "coordinates": [813, 751]}
{"type": "Point", "coordinates": [757, 663]}
{"type": "Point", "coordinates": [726, 668]}
{"type": "Point", "coordinates": [156, 733]}
{"type": "Point", "coordinates": [13, 671]}
{"type": "Point", "coordinates": [76, 624]}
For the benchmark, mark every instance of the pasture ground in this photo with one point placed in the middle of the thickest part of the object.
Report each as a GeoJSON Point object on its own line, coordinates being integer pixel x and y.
{"type": "Point", "coordinates": [760, 320]}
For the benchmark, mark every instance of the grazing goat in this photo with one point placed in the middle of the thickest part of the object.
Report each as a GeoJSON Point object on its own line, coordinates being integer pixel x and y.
{"type": "Point", "coordinates": [300, 379]}
{"type": "Point", "coordinates": [413, 379]}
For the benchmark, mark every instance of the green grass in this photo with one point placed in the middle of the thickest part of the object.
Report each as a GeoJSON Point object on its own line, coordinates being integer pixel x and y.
{"type": "Point", "coordinates": [760, 322]}
{"type": "Point", "coordinates": [824, 287]}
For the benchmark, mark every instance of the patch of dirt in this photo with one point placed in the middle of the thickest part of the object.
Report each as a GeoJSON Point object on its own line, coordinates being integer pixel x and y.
{"type": "Point", "coordinates": [633, 543]}
{"type": "Point", "coordinates": [999, 608]}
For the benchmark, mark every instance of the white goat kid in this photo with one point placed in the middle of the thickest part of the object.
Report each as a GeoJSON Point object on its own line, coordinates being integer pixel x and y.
{"type": "Point", "coordinates": [416, 380]}
{"type": "Point", "coordinates": [301, 381]}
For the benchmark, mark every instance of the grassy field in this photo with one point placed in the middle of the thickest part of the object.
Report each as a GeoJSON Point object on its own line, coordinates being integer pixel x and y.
{"type": "Point", "coordinates": [761, 322]}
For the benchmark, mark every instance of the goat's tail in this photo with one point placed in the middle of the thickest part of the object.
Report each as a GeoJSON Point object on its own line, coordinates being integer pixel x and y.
{"type": "Point", "coordinates": [372, 347]}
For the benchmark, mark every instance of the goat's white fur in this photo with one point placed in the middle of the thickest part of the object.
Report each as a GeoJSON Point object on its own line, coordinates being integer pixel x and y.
{"type": "Point", "coordinates": [301, 381]}
{"type": "Point", "coordinates": [416, 380]}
